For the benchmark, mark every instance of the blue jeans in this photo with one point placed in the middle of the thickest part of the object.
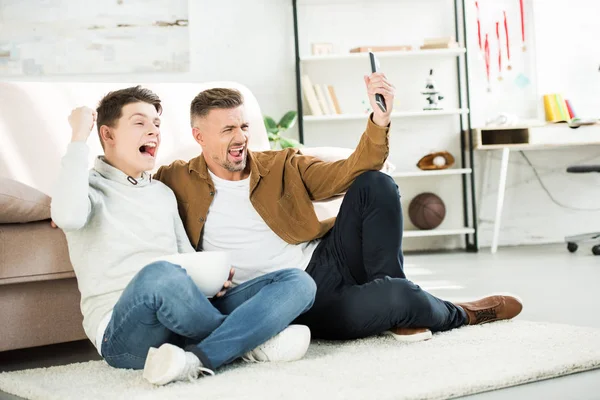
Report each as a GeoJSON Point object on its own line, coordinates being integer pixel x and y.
{"type": "Point", "coordinates": [162, 304]}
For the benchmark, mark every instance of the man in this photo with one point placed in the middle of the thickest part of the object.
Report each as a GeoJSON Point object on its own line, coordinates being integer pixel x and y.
{"type": "Point", "coordinates": [258, 207]}
{"type": "Point", "coordinates": [143, 313]}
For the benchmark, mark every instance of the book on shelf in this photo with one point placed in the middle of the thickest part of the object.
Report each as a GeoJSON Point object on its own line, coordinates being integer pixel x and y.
{"type": "Point", "coordinates": [439, 40]}
{"type": "Point", "coordinates": [556, 108]}
{"type": "Point", "coordinates": [329, 100]}
{"type": "Point", "coordinates": [310, 96]}
{"type": "Point", "coordinates": [322, 100]}
{"type": "Point", "coordinates": [334, 100]}
{"type": "Point", "coordinates": [570, 108]}
{"type": "Point", "coordinates": [452, 45]}
{"type": "Point", "coordinates": [447, 42]}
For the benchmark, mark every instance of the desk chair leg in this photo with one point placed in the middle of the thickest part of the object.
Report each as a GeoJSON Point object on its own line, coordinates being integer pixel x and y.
{"type": "Point", "coordinates": [500, 201]}
{"type": "Point", "coordinates": [574, 240]}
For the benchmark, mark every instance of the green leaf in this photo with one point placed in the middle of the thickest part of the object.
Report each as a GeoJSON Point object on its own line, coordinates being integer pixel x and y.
{"type": "Point", "coordinates": [289, 142]}
{"type": "Point", "coordinates": [276, 144]}
{"type": "Point", "coordinates": [270, 124]}
{"type": "Point", "coordinates": [288, 120]}
{"type": "Point", "coordinates": [272, 136]}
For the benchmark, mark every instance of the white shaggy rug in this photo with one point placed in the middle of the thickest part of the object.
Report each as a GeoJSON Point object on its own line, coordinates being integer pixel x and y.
{"type": "Point", "coordinates": [464, 361]}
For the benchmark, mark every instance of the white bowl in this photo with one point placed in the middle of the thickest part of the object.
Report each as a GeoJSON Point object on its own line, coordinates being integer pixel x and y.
{"type": "Point", "coordinates": [208, 269]}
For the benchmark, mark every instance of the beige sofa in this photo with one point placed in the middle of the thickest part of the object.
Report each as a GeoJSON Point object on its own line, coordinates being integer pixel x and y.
{"type": "Point", "coordinates": [39, 299]}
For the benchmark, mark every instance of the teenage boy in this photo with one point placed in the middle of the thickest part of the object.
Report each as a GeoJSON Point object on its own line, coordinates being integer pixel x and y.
{"type": "Point", "coordinates": [140, 313]}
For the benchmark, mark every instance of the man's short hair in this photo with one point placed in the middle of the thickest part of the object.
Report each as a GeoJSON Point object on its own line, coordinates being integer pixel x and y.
{"type": "Point", "coordinates": [110, 108]}
{"type": "Point", "coordinates": [216, 98]}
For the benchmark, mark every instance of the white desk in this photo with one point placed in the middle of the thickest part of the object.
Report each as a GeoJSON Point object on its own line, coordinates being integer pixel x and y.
{"type": "Point", "coordinates": [516, 138]}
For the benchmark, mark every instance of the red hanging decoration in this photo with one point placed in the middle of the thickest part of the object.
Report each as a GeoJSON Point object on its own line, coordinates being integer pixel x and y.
{"type": "Point", "coordinates": [499, 51]}
{"type": "Point", "coordinates": [508, 66]}
{"type": "Point", "coordinates": [487, 62]}
{"type": "Point", "coordinates": [478, 26]}
{"type": "Point", "coordinates": [523, 26]}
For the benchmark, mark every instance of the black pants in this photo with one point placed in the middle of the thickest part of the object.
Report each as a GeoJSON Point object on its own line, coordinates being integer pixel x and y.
{"type": "Point", "coordinates": [358, 267]}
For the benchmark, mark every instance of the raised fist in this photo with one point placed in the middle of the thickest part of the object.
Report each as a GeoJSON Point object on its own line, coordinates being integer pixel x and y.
{"type": "Point", "coordinates": [82, 120]}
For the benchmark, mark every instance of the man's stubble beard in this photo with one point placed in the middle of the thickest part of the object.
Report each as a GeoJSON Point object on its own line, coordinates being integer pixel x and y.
{"type": "Point", "coordinates": [231, 167]}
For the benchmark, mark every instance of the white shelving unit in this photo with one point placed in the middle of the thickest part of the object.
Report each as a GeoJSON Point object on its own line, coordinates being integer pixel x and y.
{"type": "Point", "coordinates": [438, 232]}
{"type": "Point", "coordinates": [420, 174]}
{"type": "Point", "coordinates": [421, 129]}
{"type": "Point", "coordinates": [417, 173]}
{"type": "Point", "coordinates": [387, 54]}
{"type": "Point", "coordinates": [395, 114]}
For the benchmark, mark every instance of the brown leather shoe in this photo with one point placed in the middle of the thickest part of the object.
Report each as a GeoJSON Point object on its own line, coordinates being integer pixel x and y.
{"type": "Point", "coordinates": [492, 308]}
{"type": "Point", "coordinates": [409, 334]}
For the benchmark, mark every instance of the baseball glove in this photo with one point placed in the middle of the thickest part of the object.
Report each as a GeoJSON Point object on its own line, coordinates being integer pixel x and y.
{"type": "Point", "coordinates": [435, 161]}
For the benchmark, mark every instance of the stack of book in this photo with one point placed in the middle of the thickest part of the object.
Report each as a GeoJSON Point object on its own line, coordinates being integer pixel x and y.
{"type": "Point", "coordinates": [364, 49]}
{"type": "Point", "coordinates": [321, 99]}
{"type": "Point", "coordinates": [557, 108]}
{"type": "Point", "coordinates": [439, 43]}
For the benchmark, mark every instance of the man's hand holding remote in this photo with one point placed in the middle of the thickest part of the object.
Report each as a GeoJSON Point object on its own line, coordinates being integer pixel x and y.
{"type": "Point", "coordinates": [378, 83]}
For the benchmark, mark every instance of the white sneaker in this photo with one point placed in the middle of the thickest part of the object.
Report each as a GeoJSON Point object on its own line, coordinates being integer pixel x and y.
{"type": "Point", "coordinates": [409, 334]}
{"type": "Point", "coordinates": [290, 344]}
{"type": "Point", "coordinates": [170, 363]}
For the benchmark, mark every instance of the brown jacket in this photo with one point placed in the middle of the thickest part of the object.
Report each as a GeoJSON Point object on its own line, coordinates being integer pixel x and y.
{"type": "Point", "coordinates": [283, 185]}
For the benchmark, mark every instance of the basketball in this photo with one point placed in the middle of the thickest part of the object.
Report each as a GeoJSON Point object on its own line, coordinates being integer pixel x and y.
{"type": "Point", "coordinates": [426, 211]}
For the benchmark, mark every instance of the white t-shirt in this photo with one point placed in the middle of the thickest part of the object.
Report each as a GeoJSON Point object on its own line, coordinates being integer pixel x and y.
{"type": "Point", "coordinates": [234, 226]}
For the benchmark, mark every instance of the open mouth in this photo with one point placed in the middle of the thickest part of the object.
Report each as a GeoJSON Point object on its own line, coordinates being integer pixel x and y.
{"type": "Point", "coordinates": [149, 149]}
{"type": "Point", "coordinates": [237, 153]}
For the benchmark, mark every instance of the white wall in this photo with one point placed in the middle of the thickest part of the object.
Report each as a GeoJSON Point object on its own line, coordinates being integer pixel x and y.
{"type": "Point", "coordinates": [252, 42]}
{"type": "Point", "coordinates": [34, 130]}
{"type": "Point", "coordinates": [230, 40]}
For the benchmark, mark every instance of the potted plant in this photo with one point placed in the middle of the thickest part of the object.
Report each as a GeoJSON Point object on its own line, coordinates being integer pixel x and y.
{"type": "Point", "coordinates": [275, 131]}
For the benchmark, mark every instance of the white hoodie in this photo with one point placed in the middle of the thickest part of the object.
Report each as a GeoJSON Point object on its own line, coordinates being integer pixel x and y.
{"type": "Point", "coordinates": [114, 226]}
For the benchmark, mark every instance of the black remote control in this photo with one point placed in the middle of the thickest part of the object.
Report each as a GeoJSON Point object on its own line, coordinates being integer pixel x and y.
{"type": "Point", "coordinates": [375, 68]}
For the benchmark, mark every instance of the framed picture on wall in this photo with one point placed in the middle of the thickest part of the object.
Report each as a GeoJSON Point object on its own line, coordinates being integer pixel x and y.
{"type": "Point", "coordinates": [109, 37]}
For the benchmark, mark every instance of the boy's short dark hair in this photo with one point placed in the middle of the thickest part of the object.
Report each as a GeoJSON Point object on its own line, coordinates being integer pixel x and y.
{"type": "Point", "coordinates": [111, 106]}
{"type": "Point", "coordinates": [216, 98]}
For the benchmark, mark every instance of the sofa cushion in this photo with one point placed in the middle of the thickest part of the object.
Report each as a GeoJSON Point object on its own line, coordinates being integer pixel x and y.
{"type": "Point", "coordinates": [33, 252]}
{"type": "Point", "coordinates": [22, 203]}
